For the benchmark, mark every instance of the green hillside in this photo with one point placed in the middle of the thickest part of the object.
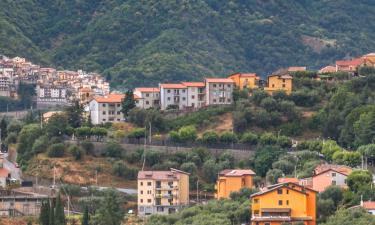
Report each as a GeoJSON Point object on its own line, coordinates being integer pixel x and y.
{"type": "Point", "coordinates": [143, 42]}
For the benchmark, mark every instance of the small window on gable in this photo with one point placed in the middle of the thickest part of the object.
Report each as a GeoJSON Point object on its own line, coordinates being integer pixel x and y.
{"type": "Point", "coordinates": [280, 202]}
{"type": "Point", "coordinates": [280, 191]}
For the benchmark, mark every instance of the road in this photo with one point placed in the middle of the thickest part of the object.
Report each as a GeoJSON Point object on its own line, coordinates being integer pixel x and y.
{"type": "Point", "coordinates": [14, 171]}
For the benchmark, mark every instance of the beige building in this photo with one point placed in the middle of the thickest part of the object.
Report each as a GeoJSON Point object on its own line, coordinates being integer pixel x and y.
{"type": "Point", "coordinates": [162, 192]}
{"type": "Point", "coordinates": [147, 97]}
{"type": "Point", "coordinates": [106, 109]}
{"type": "Point", "coordinates": [219, 91]}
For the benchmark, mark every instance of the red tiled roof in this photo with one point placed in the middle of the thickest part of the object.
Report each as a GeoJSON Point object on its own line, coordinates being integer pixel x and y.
{"type": "Point", "coordinates": [351, 62]}
{"type": "Point", "coordinates": [147, 89]}
{"type": "Point", "coordinates": [369, 205]}
{"type": "Point", "coordinates": [4, 172]}
{"type": "Point", "coordinates": [346, 170]}
{"type": "Point", "coordinates": [219, 80]}
{"type": "Point", "coordinates": [193, 84]}
{"type": "Point", "coordinates": [172, 86]}
{"type": "Point", "coordinates": [328, 69]}
{"type": "Point", "coordinates": [160, 175]}
{"type": "Point", "coordinates": [235, 173]}
{"type": "Point", "coordinates": [111, 98]}
{"type": "Point", "coordinates": [296, 68]}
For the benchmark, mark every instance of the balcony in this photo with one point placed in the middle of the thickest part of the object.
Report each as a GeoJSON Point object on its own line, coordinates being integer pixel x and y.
{"type": "Point", "coordinates": [169, 196]}
{"type": "Point", "coordinates": [166, 187]}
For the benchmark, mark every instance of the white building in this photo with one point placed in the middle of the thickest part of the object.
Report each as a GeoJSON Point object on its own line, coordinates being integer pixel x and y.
{"type": "Point", "coordinates": [219, 91]}
{"type": "Point", "coordinates": [51, 95]}
{"type": "Point", "coordinates": [147, 97]}
{"type": "Point", "coordinates": [196, 94]}
{"type": "Point", "coordinates": [106, 109]}
{"type": "Point", "coordinates": [173, 96]}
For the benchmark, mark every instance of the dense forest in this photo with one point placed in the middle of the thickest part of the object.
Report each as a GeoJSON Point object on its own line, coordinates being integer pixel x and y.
{"type": "Point", "coordinates": [143, 42]}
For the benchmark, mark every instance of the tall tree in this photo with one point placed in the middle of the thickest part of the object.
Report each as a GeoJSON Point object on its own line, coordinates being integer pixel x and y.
{"type": "Point", "coordinates": [110, 211]}
{"type": "Point", "coordinates": [51, 212]}
{"type": "Point", "coordinates": [3, 128]}
{"type": "Point", "coordinates": [74, 114]}
{"type": "Point", "coordinates": [59, 212]}
{"type": "Point", "coordinates": [44, 213]}
{"type": "Point", "coordinates": [128, 103]}
{"type": "Point", "coordinates": [85, 217]}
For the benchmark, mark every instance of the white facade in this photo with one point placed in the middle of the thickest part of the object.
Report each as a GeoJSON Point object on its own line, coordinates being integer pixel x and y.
{"type": "Point", "coordinates": [147, 97]}
{"type": "Point", "coordinates": [175, 95]}
{"type": "Point", "coordinates": [219, 91]}
{"type": "Point", "coordinates": [102, 111]}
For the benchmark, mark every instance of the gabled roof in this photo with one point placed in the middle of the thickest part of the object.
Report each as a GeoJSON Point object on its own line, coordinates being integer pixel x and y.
{"type": "Point", "coordinates": [297, 68]}
{"type": "Point", "coordinates": [235, 173]}
{"type": "Point", "coordinates": [173, 86]}
{"type": "Point", "coordinates": [287, 180]}
{"type": "Point", "coordinates": [219, 80]}
{"type": "Point", "coordinates": [328, 69]}
{"type": "Point", "coordinates": [193, 84]}
{"type": "Point", "coordinates": [111, 98]}
{"type": "Point", "coordinates": [245, 75]}
{"type": "Point", "coordinates": [368, 205]}
{"type": "Point", "coordinates": [271, 188]}
{"type": "Point", "coordinates": [339, 168]}
{"type": "Point", "coordinates": [351, 62]}
{"type": "Point", "coordinates": [147, 89]}
{"type": "Point", "coordinates": [4, 172]}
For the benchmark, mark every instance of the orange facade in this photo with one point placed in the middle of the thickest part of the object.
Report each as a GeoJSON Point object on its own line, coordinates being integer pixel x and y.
{"type": "Point", "coordinates": [286, 202]}
{"type": "Point", "coordinates": [279, 83]}
{"type": "Point", "coordinates": [232, 181]}
{"type": "Point", "coordinates": [245, 80]}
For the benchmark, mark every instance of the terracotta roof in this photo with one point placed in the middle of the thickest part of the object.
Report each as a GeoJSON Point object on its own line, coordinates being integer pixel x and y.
{"type": "Point", "coordinates": [346, 170]}
{"type": "Point", "coordinates": [369, 205]}
{"type": "Point", "coordinates": [173, 174]}
{"type": "Point", "coordinates": [235, 173]}
{"type": "Point", "coordinates": [351, 62]}
{"type": "Point", "coordinates": [245, 74]}
{"type": "Point", "coordinates": [296, 68]}
{"type": "Point", "coordinates": [111, 98]}
{"type": "Point", "coordinates": [284, 76]}
{"type": "Point", "coordinates": [147, 89]}
{"type": "Point", "coordinates": [85, 89]}
{"type": "Point", "coordinates": [4, 172]}
{"type": "Point", "coordinates": [287, 180]}
{"type": "Point", "coordinates": [277, 186]}
{"type": "Point", "coordinates": [172, 86]}
{"type": "Point", "coordinates": [328, 69]}
{"type": "Point", "coordinates": [193, 84]}
{"type": "Point", "coordinates": [219, 80]}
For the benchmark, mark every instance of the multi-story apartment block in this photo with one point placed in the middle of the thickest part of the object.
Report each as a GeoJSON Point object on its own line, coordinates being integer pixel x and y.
{"type": "Point", "coordinates": [162, 192]}
{"type": "Point", "coordinates": [147, 97]}
{"type": "Point", "coordinates": [51, 96]}
{"type": "Point", "coordinates": [219, 91]}
{"type": "Point", "coordinates": [245, 80]}
{"type": "Point", "coordinates": [195, 94]}
{"type": "Point", "coordinates": [284, 203]}
{"type": "Point", "coordinates": [5, 86]}
{"type": "Point", "coordinates": [232, 181]}
{"type": "Point", "coordinates": [173, 96]}
{"type": "Point", "coordinates": [106, 108]}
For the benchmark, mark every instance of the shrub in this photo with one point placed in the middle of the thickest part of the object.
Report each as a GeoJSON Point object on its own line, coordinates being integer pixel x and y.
{"type": "Point", "coordinates": [41, 144]}
{"type": "Point", "coordinates": [137, 133]}
{"type": "Point", "coordinates": [210, 137]}
{"type": "Point", "coordinates": [187, 134]}
{"type": "Point", "coordinates": [273, 175]}
{"type": "Point", "coordinates": [113, 149]}
{"type": "Point", "coordinates": [269, 104]}
{"type": "Point", "coordinates": [56, 150]}
{"type": "Point", "coordinates": [99, 132]}
{"type": "Point", "coordinates": [88, 146]}
{"type": "Point", "coordinates": [249, 138]}
{"type": "Point", "coordinates": [83, 132]}
{"type": "Point", "coordinates": [267, 139]}
{"type": "Point", "coordinates": [12, 138]}
{"type": "Point", "coordinates": [76, 152]}
{"type": "Point", "coordinates": [228, 137]}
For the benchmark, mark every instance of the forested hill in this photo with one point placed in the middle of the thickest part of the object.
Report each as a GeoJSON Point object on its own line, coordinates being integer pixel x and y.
{"type": "Point", "coordinates": [143, 42]}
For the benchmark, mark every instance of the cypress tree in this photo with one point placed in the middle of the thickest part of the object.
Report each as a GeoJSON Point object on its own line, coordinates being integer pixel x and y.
{"type": "Point", "coordinates": [85, 217]}
{"type": "Point", "coordinates": [44, 213]}
{"type": "Point", "coordinates": [59, 212]}
{"type": "Point", "coordinates": [51, 213]}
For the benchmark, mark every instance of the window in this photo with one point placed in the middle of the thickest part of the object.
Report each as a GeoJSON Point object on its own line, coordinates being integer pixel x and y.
{"type": "Point", "coordinates": [160, 209]}
{"type": "Point", "coordinates": [183, 98]}
{"type": "Point", "coordinates": [104, 112]}
{"type": "Point", "coordinates": [280, 191]}
{"type": "Point", "coordinates": [287, 202]}
{"type": "Point", "coordinates": [103, 104]}
{"type": "Point", "coordinates": [147, 102]}
{"type": "Point", "coordinates": [333, 174]}
{"type": "Point", "coordinates": [333, 182]}
{"type": "Point", "coordinates": [118, 105]}
{"type": "Point", "coordinates": [148, 183]}
{"type": "Point", "coordinates": [118, 113]}
{"type": "Point", "coordinates": [256, 201]}
{"type": "Point", "coordinates": [283, 80]}
{"type": "Point", "coordinates": [193, 97]}
{"type": "Point", "coordinates": [219, 85]}
{"type": "Point", "coordinates": [280, 202]}
{"type": "Point", "coordinates": [267, 224]}
{"type": "Point", "coordinates": [273, 85]}
{"type": "Point", "coordinates": [168, 91]}
{"type": "Point", "coordinates": [141, 192]}
{"type": "Point", "coordinates": [147, 94]}
{"type": "Point", "coordinates": [141, 200]}
{"type": "Point", "coordinates": [230, 85]}
{"type": "Point", "coordinates": [141, 183]}
{"type": "Point", "coordinates": [287, 192]}
{"type": "Point", "coordinates": [283, 85]}
{"type": "Point", "coordinates": [183, 91]}
{"type": "Point", "coordinates": [256, 212]}
{"type": "Point", "coordinates": [214, 100]}
{"type": "Point", "coordinates": [149, 200]}
{"type": "Point", "coordinates": [141, 209]}
{"type": "Point", "coordinates": [104, 119]}
{"type": "Point", "coordinates": [214, 85]}
{"type": "Point", "coordinates": [149, 192]}
{"type": "Point", "coordinates": [229, 100]}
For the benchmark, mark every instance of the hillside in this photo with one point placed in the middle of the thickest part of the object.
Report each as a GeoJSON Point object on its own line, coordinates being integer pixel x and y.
{"type": "Point", "coordinates": [145, 42]}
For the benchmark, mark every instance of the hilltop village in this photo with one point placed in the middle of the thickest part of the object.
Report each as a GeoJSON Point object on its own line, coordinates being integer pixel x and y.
{"type": "Point", "coordinates": [287, 149]}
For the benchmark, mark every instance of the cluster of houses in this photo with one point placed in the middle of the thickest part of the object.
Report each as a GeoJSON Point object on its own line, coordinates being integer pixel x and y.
{"type": "Point", "coordinates": [53, 87]}
{"type": "Point", "coordinates": [290, 200]}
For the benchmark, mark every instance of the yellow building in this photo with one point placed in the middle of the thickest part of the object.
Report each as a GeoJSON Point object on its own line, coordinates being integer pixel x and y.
{"type": "Point", "coordinates": [232, 181]}
{"type": "Point", "coordinates": [162, 192]}
{"type": "Point", "coordinates": [245, 80]}
{"type": "Point", "coordinates": [279, 82]}
{"type": "Point", "coordinates": [285, 202]}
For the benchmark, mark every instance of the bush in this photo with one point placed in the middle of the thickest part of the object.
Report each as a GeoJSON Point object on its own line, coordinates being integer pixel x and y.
{"type": "Point", "coordinates": [273, 175]}
{"type": "Point", "coordinates": [76, 152]}
{"type": "Point", "coordinates": [83, 132]}
{"type": "Point", "coordinates": [249, 138]}
{"type": "Point", "coordinates": [56, 150]}
{"type": "Point", "coordinates": [228, 137]}
{"type": "Point", "coordinates": [210, 137]}
{"type": "Point", "coordinates": [113, 149]}
{"type": "Point", "coordinates": [268, 139]}
{"type": "Point", "coordinates": [137, 133]}
{"type": "Point", "coordinates": [41, 144]}
{"type": "Point", "coordinates": [269, 104]}
{"type": "Point", "coordinates": [99, 132]}
{"type": "Point", "coordinates": [88, 146]}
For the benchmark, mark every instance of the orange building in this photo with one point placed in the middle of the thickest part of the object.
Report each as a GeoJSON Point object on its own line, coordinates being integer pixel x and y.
{"type": "Point", "coordinates": [286, 202]}
{"type": "Point", "coordinates": [245, 80]}
{"type": "Point", "coordinates": [279, 83]}
{"type": "Point", "coordinates": [232, 181]}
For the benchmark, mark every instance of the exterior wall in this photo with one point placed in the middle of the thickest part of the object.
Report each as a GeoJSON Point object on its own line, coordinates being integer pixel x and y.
{"type": "Point", "coordinates": [219, 93]}
{"type": "Point", "coordinates": [275, 83]}
{"type": "Point", "coordinates": [244, 81]}
{"type": "Point", "coordinates": [171, 96]}
{"type": "Point", "coordinates": [324, 180]}
{"type": "Point", "coordinates": [226, 185]}
{"type": "Point", "coordinates": [105, 112]}
{"type": "Point", "coordinates": [148, 99]}
{"type": "Point", "coordinates": [192, 97]}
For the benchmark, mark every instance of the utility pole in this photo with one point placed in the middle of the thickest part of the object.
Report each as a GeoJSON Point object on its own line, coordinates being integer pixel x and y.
{"type": "Point", "coordinates": [54, 177]}
{"type": "Point", "coordinates": [150, 133]}
{"type": "Point", "coordinates": [197, 191]}
{"type": "Point", "coordinates": [96, 177]}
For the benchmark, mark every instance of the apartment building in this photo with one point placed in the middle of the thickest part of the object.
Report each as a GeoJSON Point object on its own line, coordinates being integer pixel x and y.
{"type": "Point", "coordinates": [232, 181]}
{"type": "Point", "coordinates": [106, 109]}
{"type": "Point", "coordinates": [51, 96]}
{"type": "Point", "coordinates": [245, 80]}
{"type": "Point", "coordinates": [162, 192]}
{"type": "Point", "coordinates": [219, 91]}
{"type": "Point", "coordinates": [195, 94]}
{"type": "Point", "coordinates": [281, 82]}
{"type": "Point", "coordinates": [173, 96]}
{"type": "Point", "coordinates": [284, 203]}
{"type": "Point", "coordinates": [147, 97]}
{"type": "Point", "coordinates": [5, 86]}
